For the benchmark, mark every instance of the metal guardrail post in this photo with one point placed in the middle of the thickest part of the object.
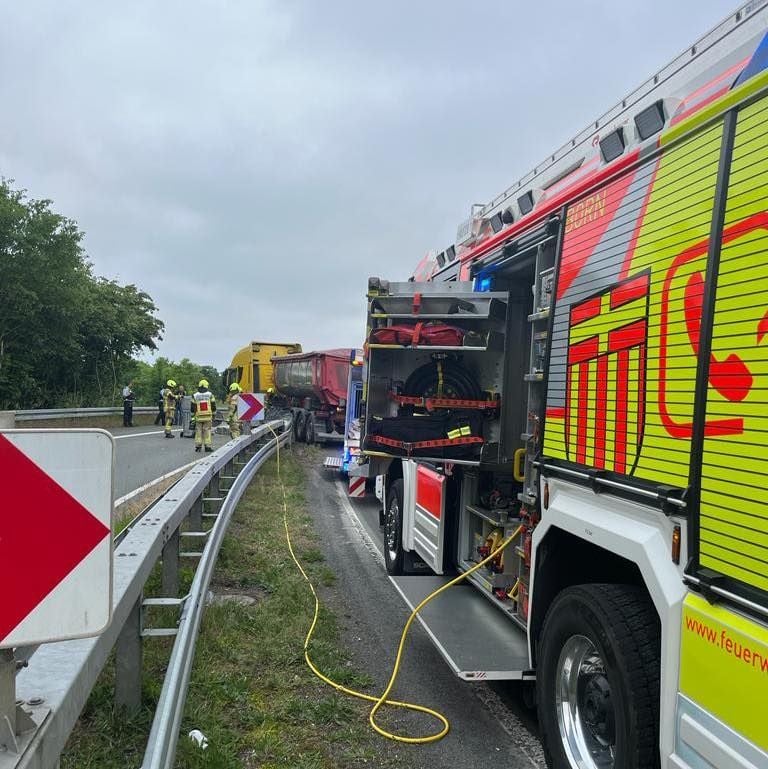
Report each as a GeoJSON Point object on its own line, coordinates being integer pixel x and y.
{"type": "Point", "coordinates": [128, 661]}
{"type": "Point", "coordinates": [170, 574]}
{"type": "Point", "coordinates": [214, 487]}
{"type": "Point", "coordinates": [14, 720]}
{"type": "Point", "coordinates": [196, 515]}
{"type": "Point", "coordinates": [7, 420]}
{"type": "Point", "coordinates": [7, 700]}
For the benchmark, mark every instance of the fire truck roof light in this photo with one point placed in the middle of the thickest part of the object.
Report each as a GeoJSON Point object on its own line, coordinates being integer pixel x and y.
{"type": "Point", "coordinates": [650, 120]}
{"type": "Point", "coordinates": [484, 284]}
{"type": "Point", "coordinates": [612, 146]}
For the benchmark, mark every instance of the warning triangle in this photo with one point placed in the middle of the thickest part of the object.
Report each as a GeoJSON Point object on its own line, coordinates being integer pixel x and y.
{"type": "Point", "coordinates": [44, 534]}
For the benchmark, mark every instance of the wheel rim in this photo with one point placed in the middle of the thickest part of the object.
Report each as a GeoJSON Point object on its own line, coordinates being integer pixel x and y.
{"type": "Point", "coordinates": [390, 528]}
{"type": "Point", "coordinates": [585, 710]}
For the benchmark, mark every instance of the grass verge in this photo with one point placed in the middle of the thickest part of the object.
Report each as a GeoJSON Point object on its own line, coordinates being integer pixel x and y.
{"type": "Point", "coordinates": [251, 693]}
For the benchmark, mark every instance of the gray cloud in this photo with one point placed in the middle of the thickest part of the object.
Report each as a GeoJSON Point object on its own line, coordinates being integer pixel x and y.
{"type": "Point", "coordinates": [250, 163]}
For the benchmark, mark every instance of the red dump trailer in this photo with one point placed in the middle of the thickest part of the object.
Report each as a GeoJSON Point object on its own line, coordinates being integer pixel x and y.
{"type": "Point", "coordinates": [314, 386]}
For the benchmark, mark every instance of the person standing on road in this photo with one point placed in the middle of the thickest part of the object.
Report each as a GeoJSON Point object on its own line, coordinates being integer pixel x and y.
{"type": "Point", "coordinates": [128, 398]}
{"type": "Point", "coordinates": [160, 418]}
{"type": "Point", "coordinates": [180, 393]}
{"type": "Point", "coordinates": [169, 404]}
{"type": "Point", "coordinates": [203, 407]}
{"type": "Point", "coordinates": [234, 422]}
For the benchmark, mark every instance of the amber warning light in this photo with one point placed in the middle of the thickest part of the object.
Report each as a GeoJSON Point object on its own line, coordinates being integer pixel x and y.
{"type": "Point", "coordinates": [676, 544]}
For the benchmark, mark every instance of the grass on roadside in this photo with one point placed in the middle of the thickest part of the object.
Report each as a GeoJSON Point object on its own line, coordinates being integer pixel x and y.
{"type": "Point", "coordinates": [251, 693]}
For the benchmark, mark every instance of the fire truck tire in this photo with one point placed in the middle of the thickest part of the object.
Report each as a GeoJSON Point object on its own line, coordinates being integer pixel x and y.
{"type": "Point", "coordinates": [309, 429]}
{"type": "Point", "coordinates": [597, 682]}
{"type": "Point", "coordinates": [394, 554]}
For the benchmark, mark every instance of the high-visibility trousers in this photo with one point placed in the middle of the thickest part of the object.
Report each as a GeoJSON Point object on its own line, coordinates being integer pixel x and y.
{"type": "Point", "coordinates": [203, 432]}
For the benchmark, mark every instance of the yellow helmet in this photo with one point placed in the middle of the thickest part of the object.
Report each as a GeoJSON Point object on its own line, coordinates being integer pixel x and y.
{"type": "Point", "coordinates": [270, 390]}
{"type": "Point", "coordinates": [203, 383]}
{"type": "Point", "coordinates": [234, 387]}
{"type": "Point", "coordinates": [170, 383]}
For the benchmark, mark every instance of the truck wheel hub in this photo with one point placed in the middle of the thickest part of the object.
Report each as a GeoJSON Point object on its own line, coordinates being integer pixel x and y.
{"type": "Point", "coordinates": [597, 707]}
{"type": "Point", "coordinates": [586, 713]}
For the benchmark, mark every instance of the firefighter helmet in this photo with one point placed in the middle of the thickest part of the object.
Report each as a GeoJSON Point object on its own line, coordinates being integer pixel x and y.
{"type": "Point", "coordinates": [234, 387]}
{"type": "Point", "coordinates": [203, 383]}
{"type": "Point", "coordinates": [170, 383]}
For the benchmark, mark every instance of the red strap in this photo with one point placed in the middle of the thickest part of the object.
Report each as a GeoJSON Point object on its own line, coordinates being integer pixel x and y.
{"type": "Point", "coordinates": [410, 447]}
{"type": "Point", "coordinates": [442, 403]}
{"type": "Point", "coordinates": [416, 333]}
{"type": "Point", "coordinates": [416, 303]}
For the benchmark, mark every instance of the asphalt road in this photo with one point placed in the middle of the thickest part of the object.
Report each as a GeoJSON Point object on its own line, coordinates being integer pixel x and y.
{"type": "Point", "coordinates": [489, 724]}
{"type": "Point", "coordinates": [143, 454]}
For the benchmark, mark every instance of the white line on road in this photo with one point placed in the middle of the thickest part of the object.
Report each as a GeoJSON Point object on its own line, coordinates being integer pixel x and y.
{"type": "Point", "coordinates": [136, 492]}
{"type": "Point", "coordinates": [358, 525]}
{"type": "Point", "coordinates": [136, 435]}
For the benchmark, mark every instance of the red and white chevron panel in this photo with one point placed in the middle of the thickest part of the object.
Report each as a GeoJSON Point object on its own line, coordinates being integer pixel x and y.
{"type": "Point", "coordinates": [356, 487]}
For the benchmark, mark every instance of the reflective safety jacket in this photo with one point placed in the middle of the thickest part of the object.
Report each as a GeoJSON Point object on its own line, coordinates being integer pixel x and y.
{"type": "Point", "coordinates": [203, 406]}
{"type": "Point", "coordinates": [169, 400]}
{"type": "Point", "coordinates": [232, 403]}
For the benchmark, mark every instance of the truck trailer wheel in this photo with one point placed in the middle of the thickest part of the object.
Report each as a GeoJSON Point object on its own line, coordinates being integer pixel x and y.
{"type": "Point", "coordinates": [309, 429]}
{"type": "Point", "coordinates": [393, 529]}
{"type": "Point", "coordinates": [301, 425]}
{"type": "Point", "coordinates": [597, 682]}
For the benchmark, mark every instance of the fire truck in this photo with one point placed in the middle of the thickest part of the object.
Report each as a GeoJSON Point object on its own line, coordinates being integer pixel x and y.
{"type": "Point", "coordinates": [584, 373]}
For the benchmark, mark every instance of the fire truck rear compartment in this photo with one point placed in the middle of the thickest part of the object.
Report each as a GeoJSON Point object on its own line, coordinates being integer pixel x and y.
{"type": "Point", "coordinates": [495, 355]}
{"type": "Point", "coordinates": [452, 622]}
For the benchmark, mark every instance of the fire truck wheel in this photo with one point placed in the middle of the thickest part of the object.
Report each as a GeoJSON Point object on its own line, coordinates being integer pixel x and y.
{"type": "Point", "coordinates": [309, 429]}
{"type": "Point", "coordinates": [393, 529]}
{"type": "Point", "coordinates": [597, 681]}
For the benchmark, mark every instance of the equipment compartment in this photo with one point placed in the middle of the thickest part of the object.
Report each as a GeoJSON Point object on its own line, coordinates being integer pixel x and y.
{"type": "Point", "coordinates": [460, 383]}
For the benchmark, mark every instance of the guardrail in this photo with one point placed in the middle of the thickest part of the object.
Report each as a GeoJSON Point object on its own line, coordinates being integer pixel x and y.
{"type": "Point", "coordinates": [53, 686]}
{"type": "Point", "coordinates": [36, 415]}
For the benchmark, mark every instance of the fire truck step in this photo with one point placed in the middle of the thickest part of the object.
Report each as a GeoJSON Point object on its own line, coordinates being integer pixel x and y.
{"type": "Point", "coordinates": [476, 640]}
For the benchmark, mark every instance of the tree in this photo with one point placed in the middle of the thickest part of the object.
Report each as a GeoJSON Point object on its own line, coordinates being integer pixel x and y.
{"type": "Point", "coordinates": [66, 337]}
{"type": "Point", "coordinates": [149, 379]}
{"type": "Point", "coordinates": [117, 324]}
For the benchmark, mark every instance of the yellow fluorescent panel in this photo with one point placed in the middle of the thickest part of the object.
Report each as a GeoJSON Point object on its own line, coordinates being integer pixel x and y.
{"type": "Point", "coordinates": [724, 666]}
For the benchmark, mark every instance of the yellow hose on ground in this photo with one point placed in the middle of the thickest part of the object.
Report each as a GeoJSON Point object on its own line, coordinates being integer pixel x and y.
{"type": "Point", "coordinates": [382, 699]}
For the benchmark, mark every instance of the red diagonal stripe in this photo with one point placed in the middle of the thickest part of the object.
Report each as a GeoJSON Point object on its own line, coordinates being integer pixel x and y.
{"type": "Point", "coordinates": [44, 534]}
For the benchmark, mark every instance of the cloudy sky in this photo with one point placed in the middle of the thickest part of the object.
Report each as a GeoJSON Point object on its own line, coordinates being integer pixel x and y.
{"type": "Point", "coordinates": [250, 163]}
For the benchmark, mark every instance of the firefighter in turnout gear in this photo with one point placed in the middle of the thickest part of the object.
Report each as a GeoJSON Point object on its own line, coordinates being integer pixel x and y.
{"type": "Point", "coordinates": [203, 407]}
{"type": "Point", "coordinates": [169, 402]}
{"type": "Point", "coordinates": [234, 422]}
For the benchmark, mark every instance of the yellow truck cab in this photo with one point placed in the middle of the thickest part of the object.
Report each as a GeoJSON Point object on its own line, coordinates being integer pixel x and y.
{"type": "Point", "coordinates": [251, 366]}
